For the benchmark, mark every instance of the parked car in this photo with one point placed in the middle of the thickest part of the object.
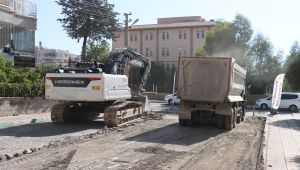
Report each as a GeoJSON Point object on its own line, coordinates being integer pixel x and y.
{"type": "Point", "coordinates": [172, 98]}
{"type": "Point", "coordinates": [289, 101]}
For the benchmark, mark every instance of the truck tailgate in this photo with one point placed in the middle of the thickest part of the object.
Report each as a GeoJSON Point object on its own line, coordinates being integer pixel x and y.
{"type": "Point", "coordinates": [204, 78]}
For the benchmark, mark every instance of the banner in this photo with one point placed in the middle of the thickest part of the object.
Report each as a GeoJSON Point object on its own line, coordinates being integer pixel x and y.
{"type": "Point", "coordinates": [277, 90]}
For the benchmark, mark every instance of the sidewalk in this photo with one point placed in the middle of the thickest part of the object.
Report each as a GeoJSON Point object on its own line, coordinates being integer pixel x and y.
{"type": "Point", "coordinates": [10, 121]}
{"type": "Point", "coordinates": [282, 135]}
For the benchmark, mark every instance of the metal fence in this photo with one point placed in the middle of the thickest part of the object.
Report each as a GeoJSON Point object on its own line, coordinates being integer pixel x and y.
{"type": "Point", "coordinates": [162, 78]}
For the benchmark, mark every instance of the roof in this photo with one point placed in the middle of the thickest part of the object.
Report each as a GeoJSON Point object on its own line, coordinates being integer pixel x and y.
{"type": "Point", "coordinates": [174, 25]}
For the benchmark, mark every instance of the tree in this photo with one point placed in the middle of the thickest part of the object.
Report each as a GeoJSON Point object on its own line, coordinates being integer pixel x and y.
{"type": "Point", "coordinates": [292, 73]}
{"type": "Point", "coordinates": [266, 65]}
{"type": "Point", "coordinates": [220, 40]}
{"type": "Point", "coordinates": [261, 51]}
{"type": "Point", "coordinates": [230, 39]}
{"type": "Point", "coordinates": [294, 52]}
{"type": "Point", "coordinates": [97, 51]}
{"type": "Point", "coordinates": [94, 19]}
{"type": "Point", "coordinates": [243, 30]}
{"type": "Point", "coordinates": [200, 52]}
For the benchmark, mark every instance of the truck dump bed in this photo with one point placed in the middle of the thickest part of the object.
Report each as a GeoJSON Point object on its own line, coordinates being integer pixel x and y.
{"type": "Point", "coordinates": [210, 79]}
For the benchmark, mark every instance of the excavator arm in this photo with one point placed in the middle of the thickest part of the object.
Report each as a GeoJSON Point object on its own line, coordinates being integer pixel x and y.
{"type": "Point", "coordinates": [120, 60]}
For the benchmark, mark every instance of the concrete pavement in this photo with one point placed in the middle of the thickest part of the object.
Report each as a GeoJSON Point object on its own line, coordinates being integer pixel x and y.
{"type": "Point", "coordinates": [282, 139]}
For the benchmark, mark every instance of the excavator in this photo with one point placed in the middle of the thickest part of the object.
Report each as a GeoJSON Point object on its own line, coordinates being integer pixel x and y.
{"type": "Point", "coordinates": [85, 92]}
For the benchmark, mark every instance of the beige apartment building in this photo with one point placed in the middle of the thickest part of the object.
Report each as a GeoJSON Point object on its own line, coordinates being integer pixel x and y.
{"type": "Point", "coordinates": [168, 39]}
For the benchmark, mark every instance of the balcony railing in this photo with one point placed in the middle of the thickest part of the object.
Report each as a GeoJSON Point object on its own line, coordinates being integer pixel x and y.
{"type": "Point", "coordinates": [20, 7]}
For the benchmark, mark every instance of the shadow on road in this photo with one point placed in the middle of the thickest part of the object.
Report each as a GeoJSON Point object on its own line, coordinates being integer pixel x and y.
{"type": "Point", "coordinates": [297, 161]}
{"type": "Point", "coordinates": [287, 123]}
{"type": "Point", "coordinates": [49, 129]}
{"type": "Point", "coordinates": [178, 135]}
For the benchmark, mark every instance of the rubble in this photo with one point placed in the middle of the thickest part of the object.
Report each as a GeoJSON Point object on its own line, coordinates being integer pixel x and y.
{"type": "Point", "coordinates": [8, 156]}
{"type": "Point", "coordinates": [27, 151]}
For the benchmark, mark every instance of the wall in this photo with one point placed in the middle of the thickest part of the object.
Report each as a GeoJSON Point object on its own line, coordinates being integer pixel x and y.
{"type": "Point", "coordinates": [17, 105]}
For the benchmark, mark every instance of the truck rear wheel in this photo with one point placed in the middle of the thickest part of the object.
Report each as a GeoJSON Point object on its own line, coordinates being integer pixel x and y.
{"type": "Point", "coordinates": [234, 117]}
{"type": "Point", "coordinates": [230, 120]}
{"type": "Point", "coordinates": [186, 122]}
{"type": "Point", "coordinates": [220, 121]}
{"type": "Point", "coordinates": [182, 122]}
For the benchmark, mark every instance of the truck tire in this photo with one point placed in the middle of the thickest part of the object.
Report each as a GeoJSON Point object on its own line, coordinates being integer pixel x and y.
{"type": "Point", "coordinates": [239, 115]}
{"type": "Point", "coordinates": [229, 120]}
{"type": "Point", "coordinates": [234, 121]}
{"type": "Point", "coordinates": [189, 122]}
{"type": "Point", "coordinates": [186, 122]}
{"type": "Point", "coordinates": [220, 121]}
{"type": "Point", "coordinates": [182, 122]}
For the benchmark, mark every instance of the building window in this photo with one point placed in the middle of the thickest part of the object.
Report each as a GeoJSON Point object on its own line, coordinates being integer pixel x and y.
{"type": "Point", "coordinates": [167, 35]}
{"type": "Point", "coordinates": [181, 51]}
{"type": "Point", "coordinates": [163, 51]}
{"type": "Point", "coordinates": [198, 33]}
{"type": "Point", "coordinates": [135, 36]}
{"type": "Point", "coordinates": [184, 35]}
{"type": "Point", "coordinates": [147, 52]}
{"type": "Point", "coordinates": [167, 51]}
{"type": "Point", "coordinates": [131, 36]}
{"type": "Point", "coordinates": [202, 34]}
{"type": "Point", "coordinates": [151, 35]}
{"type": "Point", "coordinates": [163, 35]}
{"type": "Point", "coordinates": [151, 53]}
{"type": "Point", "coordinates": [180, 35]}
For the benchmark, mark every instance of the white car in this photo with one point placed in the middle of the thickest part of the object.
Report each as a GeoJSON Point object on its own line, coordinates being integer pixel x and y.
{"type": "Point", "coordinates": [289, 101]}
{"type": "Point", "coordinates": [172, 98]}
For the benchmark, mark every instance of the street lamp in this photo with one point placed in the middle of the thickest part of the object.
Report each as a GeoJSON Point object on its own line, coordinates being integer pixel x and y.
{"type": "Point", "coordinates": [127, 27]}
{"type": "Point", "coordinates": [134, 22]}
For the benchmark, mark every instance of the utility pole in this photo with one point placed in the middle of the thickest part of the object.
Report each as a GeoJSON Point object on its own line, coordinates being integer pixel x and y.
{"type": "Point", "coordinates": [126, 27]}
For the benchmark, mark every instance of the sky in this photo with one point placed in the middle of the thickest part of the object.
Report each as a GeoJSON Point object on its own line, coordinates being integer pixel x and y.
{"type": "Point", "coordinates": [278, 20]}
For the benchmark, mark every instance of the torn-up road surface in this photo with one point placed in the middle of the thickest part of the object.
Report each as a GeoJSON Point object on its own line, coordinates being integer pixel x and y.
{"type": "Point", "coordinates": [154, 144]}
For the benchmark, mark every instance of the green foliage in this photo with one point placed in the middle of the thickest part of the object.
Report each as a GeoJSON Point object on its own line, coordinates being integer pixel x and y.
{"type": "Point", "coordinates": [266, 65]}
{"type": "Point", "coordinates": [293, 72]}
{"type": "Point", "coordinates": [200, 52]}
{"type": "Point", "coordinates": [93, 19]}
{"type": "Point", "coordinates": [220, 40]}
{"type": "Point", "coordinates": [230, 40]}
{"type": "Point", "coordinates": [294, 52]}
{"type": "Point", "coordinates": [97, 51]}
{"type": "Point", "coordinates": [19, 82]}
{"type": "Point", "coordinates": [242, 29]}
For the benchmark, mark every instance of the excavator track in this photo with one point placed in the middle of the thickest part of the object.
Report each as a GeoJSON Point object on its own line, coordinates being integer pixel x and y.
{"type": "Point", "coordinates": [64, 112]}
{"type": "Point", "coordinates": [122, 112]}
{"type": "Point", "coordinates": [57, 113]}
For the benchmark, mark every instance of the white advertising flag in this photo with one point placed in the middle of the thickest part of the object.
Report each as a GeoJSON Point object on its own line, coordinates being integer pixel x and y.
{"type": "Point", "coordinates": [277, 90]}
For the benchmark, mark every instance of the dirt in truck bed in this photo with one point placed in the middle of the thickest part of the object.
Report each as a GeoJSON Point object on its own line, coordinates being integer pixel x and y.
{"type": "Point", "coordinates": [153, 144]}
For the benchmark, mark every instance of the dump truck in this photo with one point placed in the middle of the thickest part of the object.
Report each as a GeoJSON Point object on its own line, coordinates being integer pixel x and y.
{"type": "Point", "coordinates": [212, 89]}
